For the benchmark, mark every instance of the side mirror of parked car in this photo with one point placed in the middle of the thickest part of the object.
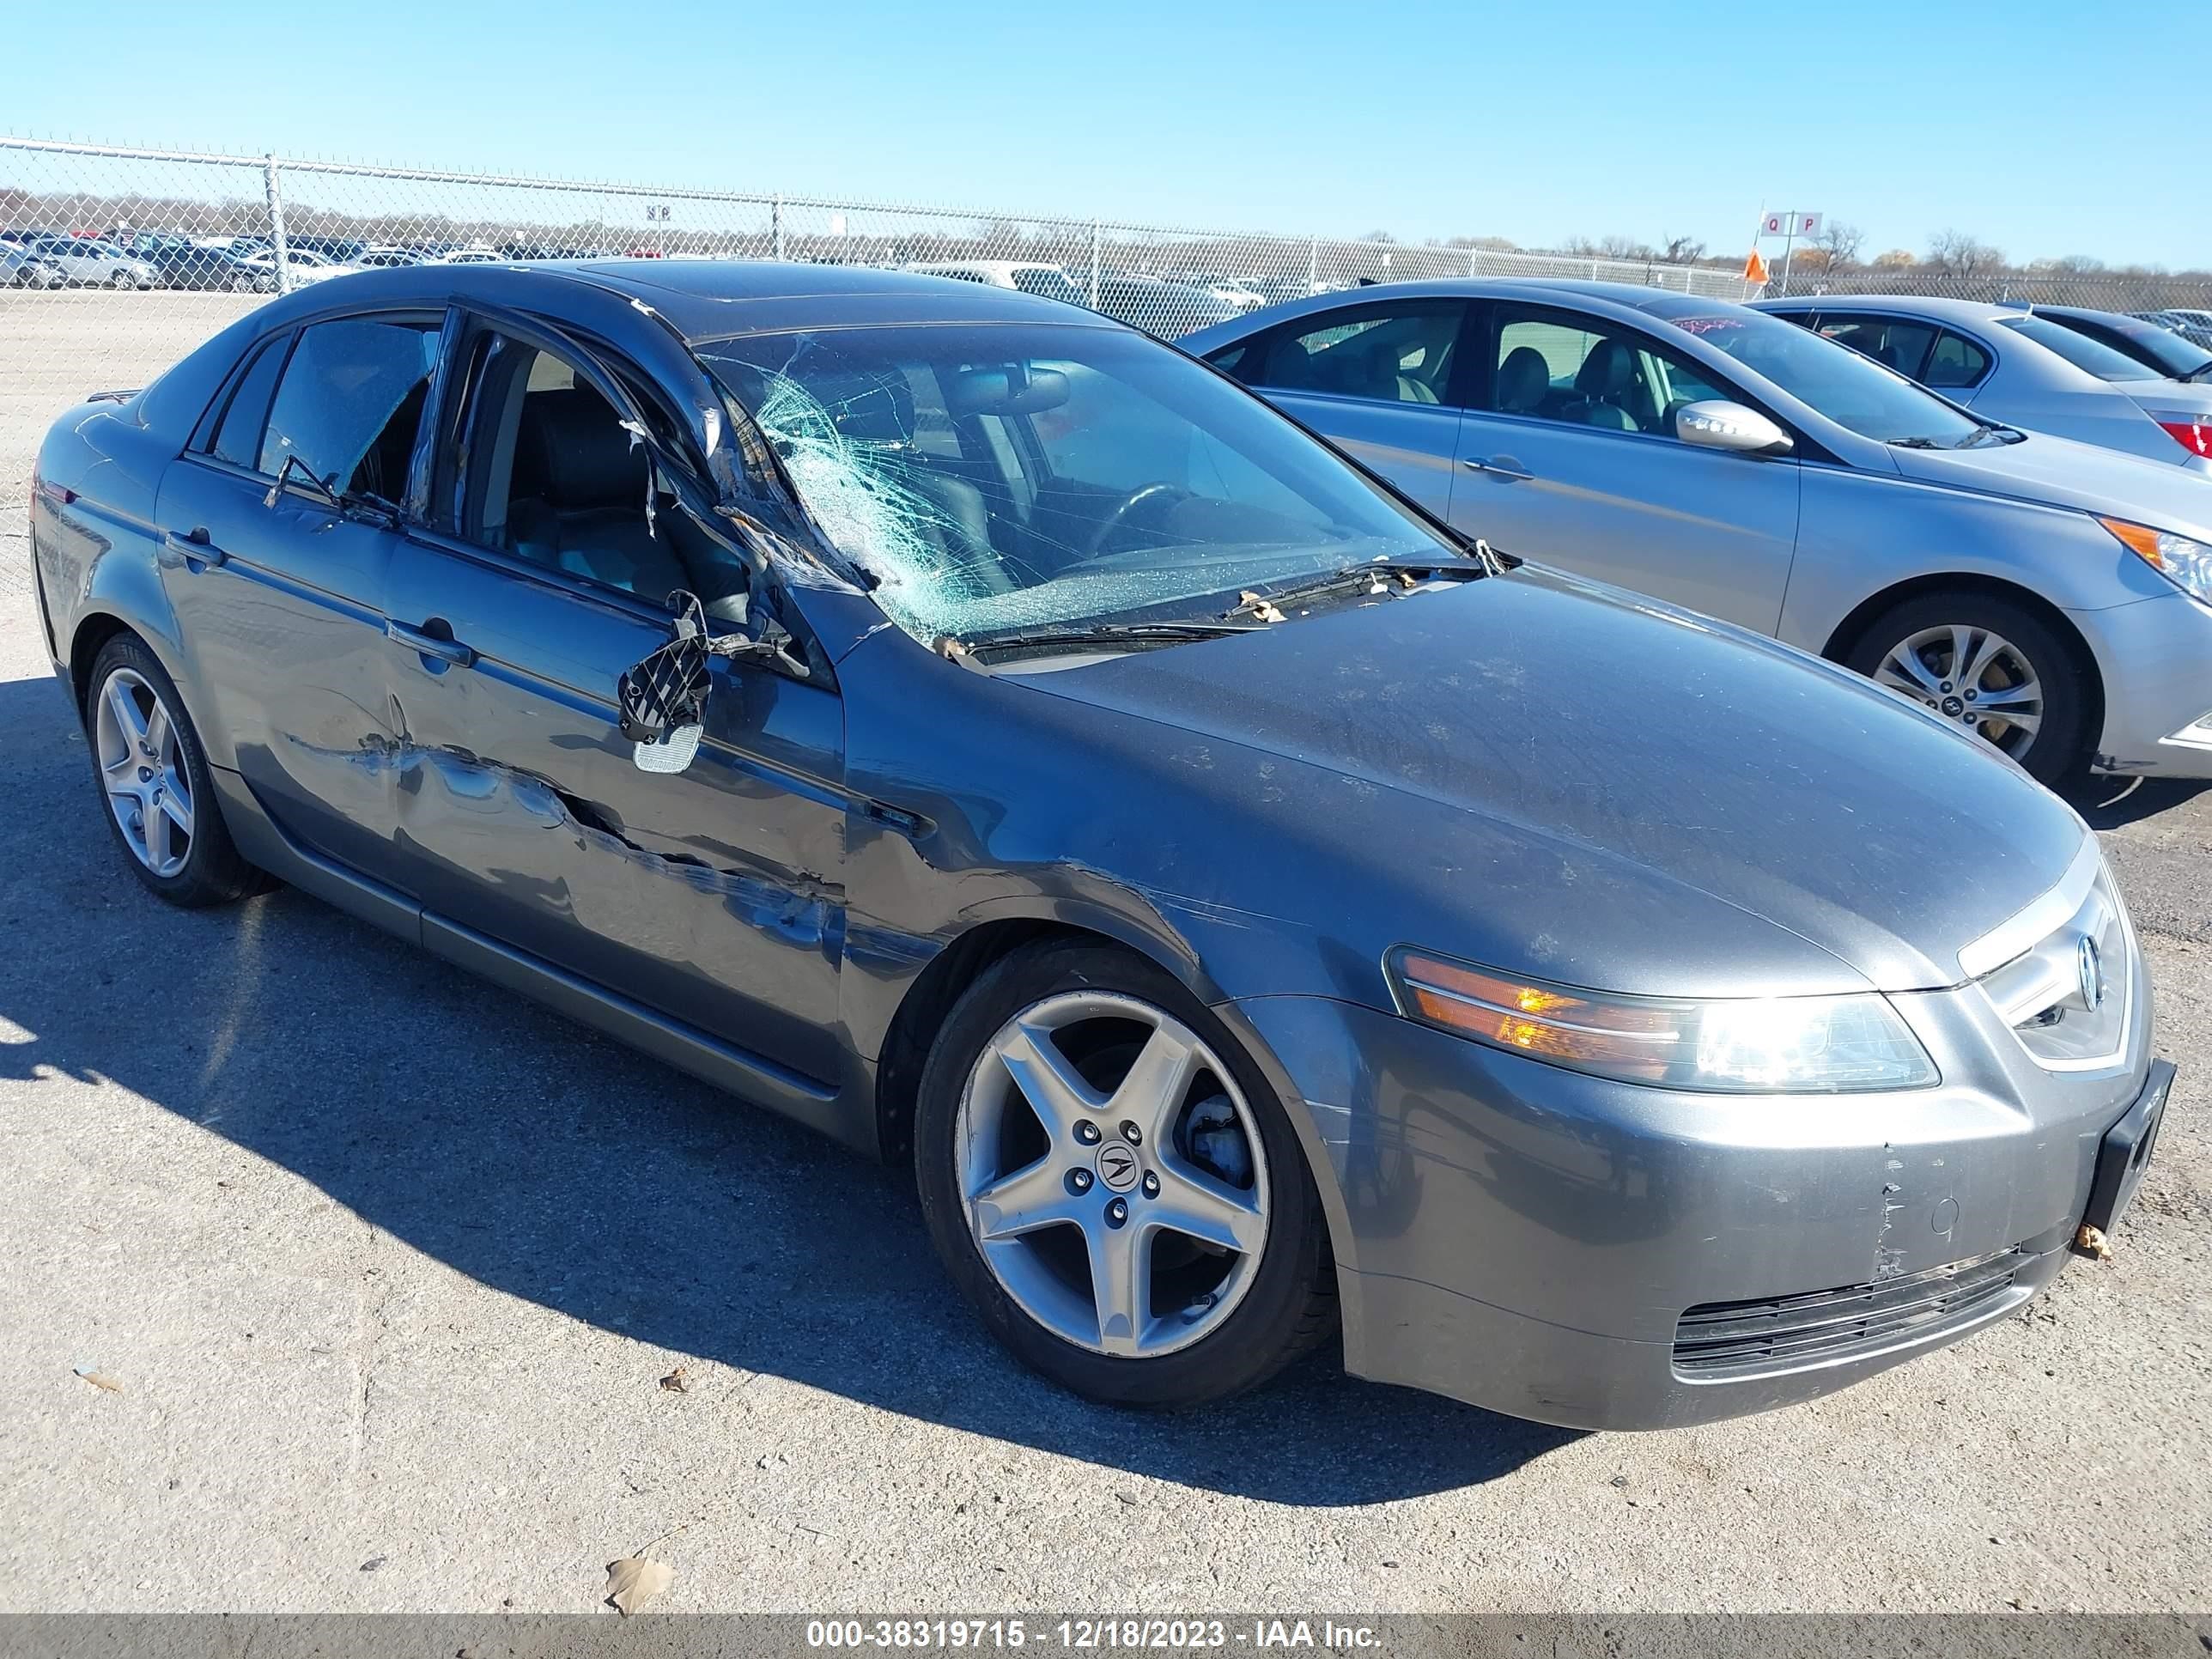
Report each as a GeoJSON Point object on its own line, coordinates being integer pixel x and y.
{"type": "Point", "coordinates": [1717, 423]}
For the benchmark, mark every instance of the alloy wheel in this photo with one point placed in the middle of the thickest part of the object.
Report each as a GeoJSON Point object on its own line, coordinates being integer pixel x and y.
{"type": "Point", "coordinates": [1112, 1173]}
{"type": "Point", "coordinates": [142, 766]}
{"type": "Point", "coordinates": [1973, 676]}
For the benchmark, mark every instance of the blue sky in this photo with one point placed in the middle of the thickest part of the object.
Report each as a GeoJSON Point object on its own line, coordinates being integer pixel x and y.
{"type": "Point", "coordinates": [2018, 123]}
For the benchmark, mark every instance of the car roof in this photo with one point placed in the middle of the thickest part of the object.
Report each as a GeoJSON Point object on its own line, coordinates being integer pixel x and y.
{"type": "Point", "coordinates": [1669, 303]}
{"type": "Point", "coordinates": [1934, 306]}
{"type": "Point", "coordinates": [707, 300]}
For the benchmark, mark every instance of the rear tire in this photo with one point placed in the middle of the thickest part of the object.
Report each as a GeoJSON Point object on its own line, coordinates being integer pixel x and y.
{"type": "Point", "coordinates": [2024, 689]}
{"type": "Point", "coordinates": [1275, 1295]}
{"type": "Point", "coordinates": [155, 785]}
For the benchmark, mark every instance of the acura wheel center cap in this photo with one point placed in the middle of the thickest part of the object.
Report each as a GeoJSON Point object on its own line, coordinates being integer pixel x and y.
{"type": "Point", "coordinates": [1118, 1168]}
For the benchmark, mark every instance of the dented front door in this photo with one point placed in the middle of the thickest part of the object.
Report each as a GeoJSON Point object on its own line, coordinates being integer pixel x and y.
{"type": "Point", "coordinates": [712, 895]}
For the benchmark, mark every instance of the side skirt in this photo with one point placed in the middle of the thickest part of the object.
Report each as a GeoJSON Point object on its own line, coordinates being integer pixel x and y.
{"type": "Point", "coordinates": [750, 1076]}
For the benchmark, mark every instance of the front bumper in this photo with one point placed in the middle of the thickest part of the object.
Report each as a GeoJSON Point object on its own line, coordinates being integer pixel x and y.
{"type": "Point", "coordinates": [1530, 1240]}
{"type": "Point", "coordinates": [2155, 656]}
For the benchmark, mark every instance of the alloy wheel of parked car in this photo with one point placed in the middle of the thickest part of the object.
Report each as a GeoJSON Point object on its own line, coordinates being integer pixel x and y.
{"type": "Point", "coordinates": [1990, 666]}
{"type": "Point", "coordinates": [149, 790]}
{"type": "Point", "coordinates": [153, 776]}
{"type": "Point", "coordinates": [241, 283]}
{"type": "Point", "coordinates": [1117, 1194]}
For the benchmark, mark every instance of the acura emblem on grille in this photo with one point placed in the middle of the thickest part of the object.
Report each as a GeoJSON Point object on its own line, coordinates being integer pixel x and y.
{"type": "Point", "coordinates": [2091, 967]}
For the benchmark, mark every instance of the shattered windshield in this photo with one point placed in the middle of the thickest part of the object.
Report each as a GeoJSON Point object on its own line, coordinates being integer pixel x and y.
{"type": "Point", "coordinates": [995, 478]}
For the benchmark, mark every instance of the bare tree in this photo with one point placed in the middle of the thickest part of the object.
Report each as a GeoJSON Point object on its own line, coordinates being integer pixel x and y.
{"type": "Point", "coordinates": [1378, 236]}
{"type": "Point", "coordinates": [1681, 250]}
{"type": "Point", "coordinates": [1624, 247]}
{"type": "Point", "coordinates": [1839, 241]}
{"type": "Point", "coordinates": [1955, 253]}
{"type": "Point", "coordinates": [1896, 258]}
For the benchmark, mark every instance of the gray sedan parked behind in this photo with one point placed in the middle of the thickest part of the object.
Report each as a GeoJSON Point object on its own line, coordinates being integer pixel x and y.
{"type": "Point", "coordinates": [2010, 363]}
{"type": "Point", "coordinates": [2052, 597]}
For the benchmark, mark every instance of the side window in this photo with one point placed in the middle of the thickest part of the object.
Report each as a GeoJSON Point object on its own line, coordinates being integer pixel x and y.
{"type": "Point", "coordinates": [350, 402]}
{"type": "Point", "coordinates": [549, 475]}
{"type": "Point", "coordinates": [1957, 363]}
{"type": "Point", "coordinates": [1586, 373]}
{"type": "Point", "coordinates": [1239, 359]}
{"type": "Point", "coordinates": [1400, 354]}
{"type": "Point", "coordinates": [1890, 341]}
{"type": "Point", "coordinates": [238, 436]}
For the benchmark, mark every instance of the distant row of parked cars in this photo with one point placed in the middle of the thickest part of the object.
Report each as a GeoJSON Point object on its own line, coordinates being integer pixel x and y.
{"type": "Point", "coordinates": [2002, 512]}
{"type": "Point", "coordinates": [237, 264]}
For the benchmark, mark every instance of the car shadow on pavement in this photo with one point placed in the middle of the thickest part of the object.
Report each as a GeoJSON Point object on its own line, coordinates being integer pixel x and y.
{"type": "Point", "coordinates": [2113, 803]}
{"type": "Point", "coordinates": [549, 1164]}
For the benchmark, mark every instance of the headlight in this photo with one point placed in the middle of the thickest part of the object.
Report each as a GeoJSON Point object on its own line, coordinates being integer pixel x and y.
{"type": "Point", "coordinates": [2187, 564]}
{"type": "Point", "coordinates": [1751, 1045]}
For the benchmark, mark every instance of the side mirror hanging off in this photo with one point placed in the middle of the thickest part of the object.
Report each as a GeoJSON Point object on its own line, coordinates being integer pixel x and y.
{"type": "Point", "coordinates": [663, 699]}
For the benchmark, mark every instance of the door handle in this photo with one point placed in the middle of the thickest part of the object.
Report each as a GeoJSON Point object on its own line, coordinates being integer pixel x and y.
{"type": "Point", "coordinates": [1500, 466]}
{"type": "Point", "coordinates": [438, 648]}
{"type": "Point", "coordinates": [193, 550]}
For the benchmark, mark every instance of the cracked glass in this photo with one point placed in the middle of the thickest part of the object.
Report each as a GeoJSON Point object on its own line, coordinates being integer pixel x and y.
{"type": "Point", "coordinates": [996, 478]}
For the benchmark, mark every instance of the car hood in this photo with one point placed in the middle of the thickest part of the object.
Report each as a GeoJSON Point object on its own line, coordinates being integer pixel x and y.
{"type": "Point", "coordinates": [1562, 779]}
{"type": "Point", "coordinates": [2059, 472]}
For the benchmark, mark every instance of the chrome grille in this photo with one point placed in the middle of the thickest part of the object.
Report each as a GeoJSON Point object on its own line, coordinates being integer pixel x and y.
{"type": "Point", "coordinates": [2068, 997]}
{"type": "Point", "coordinates": [1792, 1333]}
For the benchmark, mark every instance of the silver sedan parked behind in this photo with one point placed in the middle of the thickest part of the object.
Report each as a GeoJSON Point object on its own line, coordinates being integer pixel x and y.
{"type": "Point", "coordinates": [2053, 598]}
{"type": "Point", "coordinates": [2008, 363]}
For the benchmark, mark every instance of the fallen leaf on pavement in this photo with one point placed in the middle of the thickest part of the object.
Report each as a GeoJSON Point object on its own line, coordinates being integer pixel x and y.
{"type": "Point", "coordinates": [633, 1582]}
{"type": "Point", "coordinates": [101, 1380]}
{"type": "Point", "coordinates": [674, 1382]}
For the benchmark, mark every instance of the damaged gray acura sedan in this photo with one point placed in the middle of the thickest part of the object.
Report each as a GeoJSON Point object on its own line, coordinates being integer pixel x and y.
{"type": "Point", "coordinates": [1005, 743]}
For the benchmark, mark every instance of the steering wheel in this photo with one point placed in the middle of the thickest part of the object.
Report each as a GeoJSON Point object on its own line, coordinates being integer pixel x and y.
{"type": "Point", "coordinates": [1117, 516]}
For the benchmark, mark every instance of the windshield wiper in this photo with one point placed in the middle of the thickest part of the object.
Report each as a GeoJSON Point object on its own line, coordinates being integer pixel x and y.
{"type": "Point", "coordinates": [1980, 435]}
{"type": "Point", "coordinates": [1125, 633]}
{"type": "Point", "coordinates": [1370, 573]}
{"type": "Point", "coordinates": [1914, 443]}
{"type": "Point", "coordinates": [2201, 372]}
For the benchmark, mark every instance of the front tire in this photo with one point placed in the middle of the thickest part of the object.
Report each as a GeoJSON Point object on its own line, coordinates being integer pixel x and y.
{"type": "Point", "coordinates": [152, 779]}
{"type": "Point", "coordinates": [1992, 667]}
{"type": "Point", "coordinates": [1113, 1185]}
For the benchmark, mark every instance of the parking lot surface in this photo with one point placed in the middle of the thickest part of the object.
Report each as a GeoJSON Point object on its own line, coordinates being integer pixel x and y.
{"type": "Point", "coordinates": [391, 1271]}
{"type": "Point", "coordinates": [389, 1266]}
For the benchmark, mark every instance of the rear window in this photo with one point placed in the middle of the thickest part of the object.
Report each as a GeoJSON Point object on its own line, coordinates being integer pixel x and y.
{"type": "Point", "coordinates": [2089, 356]}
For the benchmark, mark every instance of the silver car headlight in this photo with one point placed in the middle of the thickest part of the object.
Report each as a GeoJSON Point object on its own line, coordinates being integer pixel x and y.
{"type": "Point", "coordinates": [2186, 563]}
{"type": "Point", "coordinates": [1845, 1044]}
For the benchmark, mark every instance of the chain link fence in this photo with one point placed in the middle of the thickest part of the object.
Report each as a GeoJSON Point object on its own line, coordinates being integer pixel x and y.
{"type": "Point", "coordinates": [117, 261]}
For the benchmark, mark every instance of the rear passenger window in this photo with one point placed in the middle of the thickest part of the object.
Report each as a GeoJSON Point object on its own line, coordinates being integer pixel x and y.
{"type": "Point", "coordinates": [1902, 346]}
{"type": "Point", "coordinates": [1957, 363]}
{"type": "Point", "coordinates": [238, 438]}
{"type": "Point", "coordinates": [1402, 355]}
{"type": "Point", "coordinates": [349, 404]}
